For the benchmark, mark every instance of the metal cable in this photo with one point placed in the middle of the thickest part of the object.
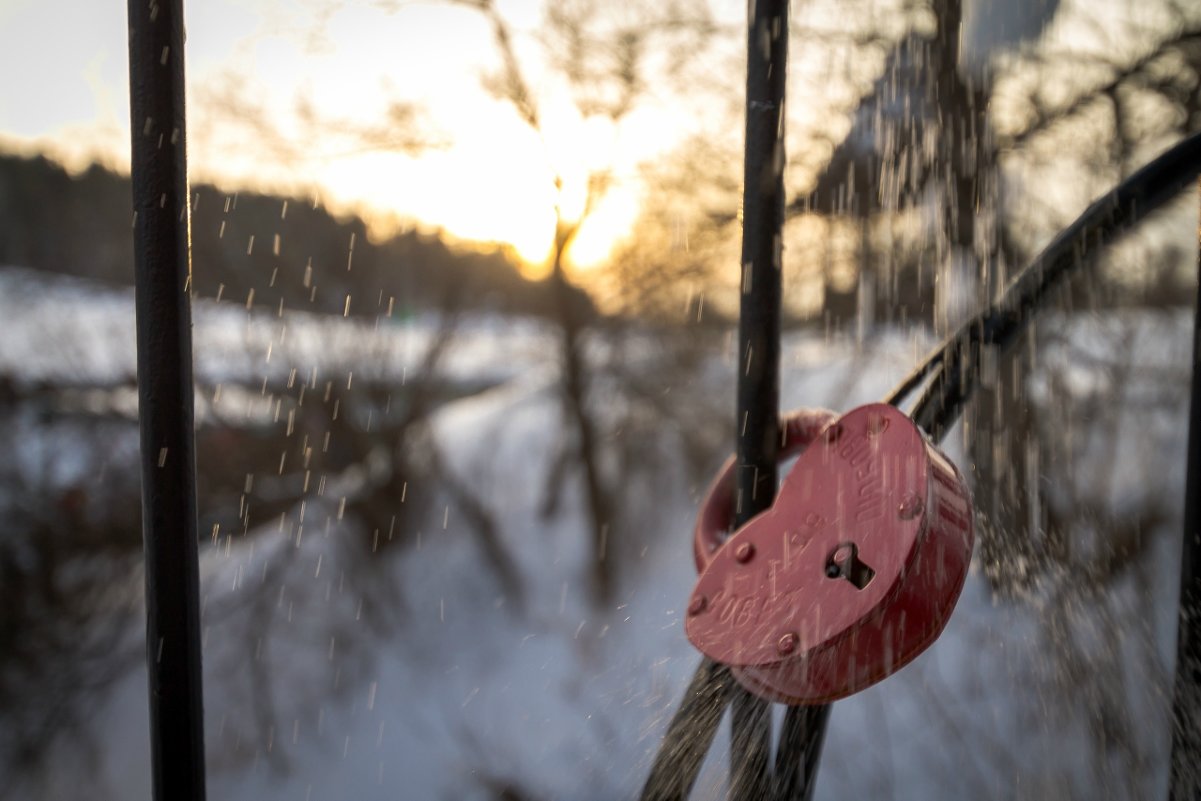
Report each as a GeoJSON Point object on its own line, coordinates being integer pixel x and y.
{"type": "Point", "coordinates": [953, 364]}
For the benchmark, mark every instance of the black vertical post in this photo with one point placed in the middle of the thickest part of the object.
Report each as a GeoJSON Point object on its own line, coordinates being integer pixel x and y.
{"type": "Point", "coordinates": [1186, 707]}
{"type": "Point", "coordinates": [163, 271]}
{"type": "Point", "coordinates": [759, 337]}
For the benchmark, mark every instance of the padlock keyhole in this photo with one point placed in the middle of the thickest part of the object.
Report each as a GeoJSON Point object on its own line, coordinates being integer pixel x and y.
{"type": "Point", "coordinates": [844, 562]}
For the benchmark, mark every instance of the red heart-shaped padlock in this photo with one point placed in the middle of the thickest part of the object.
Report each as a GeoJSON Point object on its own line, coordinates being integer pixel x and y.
{"type": "Point", "coordinates": [853, 571]}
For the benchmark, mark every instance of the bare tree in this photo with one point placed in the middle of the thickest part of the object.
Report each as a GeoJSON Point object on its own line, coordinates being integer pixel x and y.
{"type": "Point", "coordinates": [608, 55]}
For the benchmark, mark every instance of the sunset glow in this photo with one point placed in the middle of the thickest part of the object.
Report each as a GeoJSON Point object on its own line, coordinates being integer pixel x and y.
{"type": "Point", "coordinates": [255, 70]}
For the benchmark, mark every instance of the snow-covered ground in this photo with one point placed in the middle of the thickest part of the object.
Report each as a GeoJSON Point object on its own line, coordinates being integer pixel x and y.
{"type": "Point", "coordinates": [414, 678]}
{"type": "Point", "coordinates": [59, 328]}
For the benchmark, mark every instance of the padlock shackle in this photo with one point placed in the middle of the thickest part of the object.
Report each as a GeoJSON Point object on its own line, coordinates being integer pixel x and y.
{"type": "Point", "coordinates": [715, 519]}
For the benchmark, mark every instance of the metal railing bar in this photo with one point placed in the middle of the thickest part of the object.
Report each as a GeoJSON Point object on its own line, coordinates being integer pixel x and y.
{"type": "Point", "coordinates": [165, 396]}
{"type": "Point", "coordinates": [757, 420]}
{"type": "Point", "coordinates": [1185, 772]}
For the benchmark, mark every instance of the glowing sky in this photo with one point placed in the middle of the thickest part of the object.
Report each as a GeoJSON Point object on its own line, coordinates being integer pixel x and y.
{"type": "Point", "coordinates": [252, 63]}
{"type": "Point", "coordinates": [488, 177]}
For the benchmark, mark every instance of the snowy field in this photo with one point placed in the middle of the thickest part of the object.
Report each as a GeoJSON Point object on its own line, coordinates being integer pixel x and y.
{"type": "Point", "coordinates": [74, 331]}
{"type": "Point", "coordinates": [444, 689]}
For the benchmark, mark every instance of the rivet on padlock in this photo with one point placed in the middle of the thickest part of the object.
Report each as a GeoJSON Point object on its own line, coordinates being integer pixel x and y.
{"type": "Point", "coordinates": [850, 575]}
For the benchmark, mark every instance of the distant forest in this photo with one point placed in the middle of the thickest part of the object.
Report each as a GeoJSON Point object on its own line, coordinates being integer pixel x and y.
{"type": "Point", "coordinates": [253, 248]}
